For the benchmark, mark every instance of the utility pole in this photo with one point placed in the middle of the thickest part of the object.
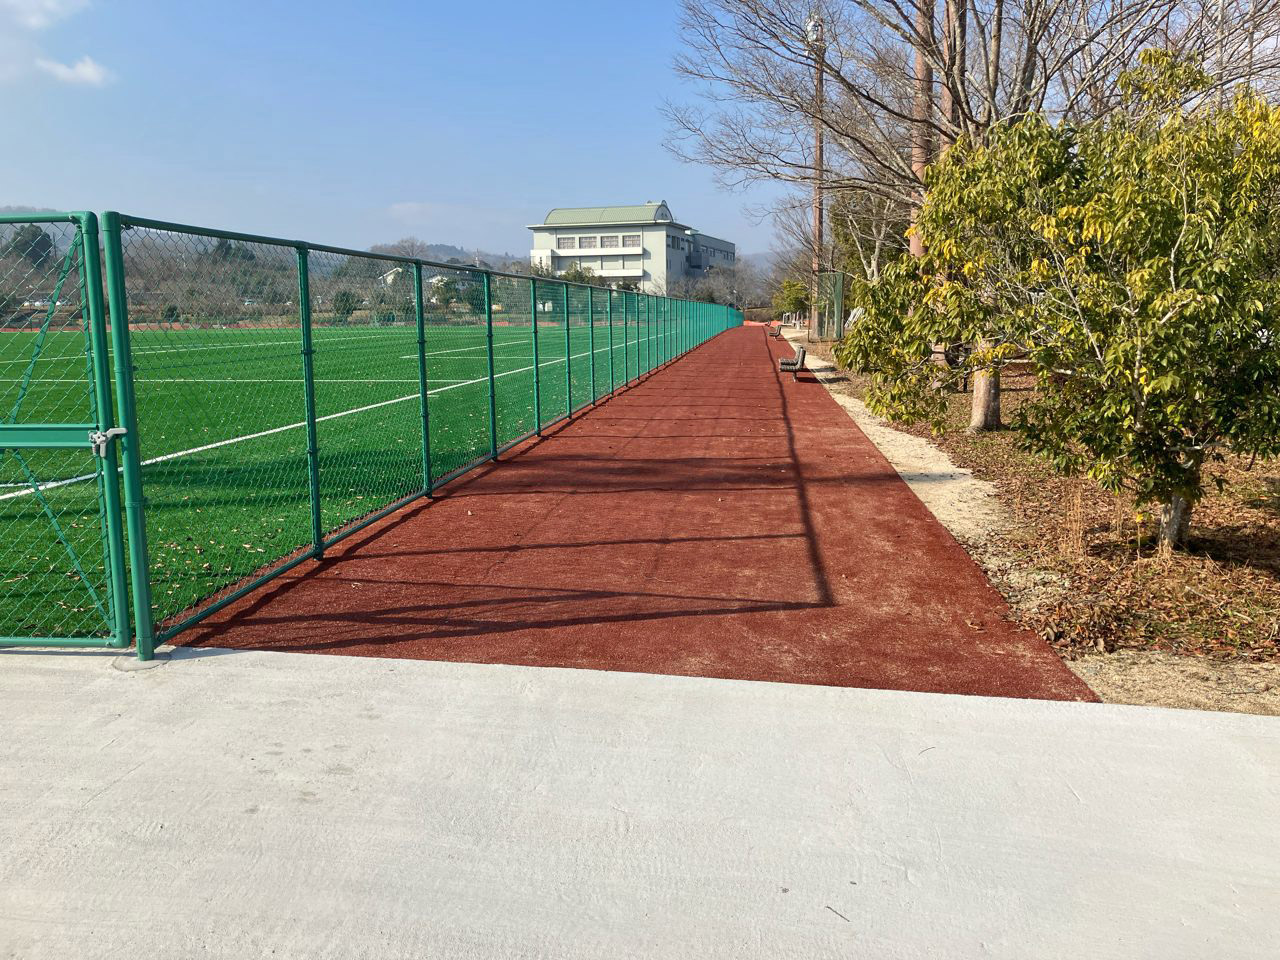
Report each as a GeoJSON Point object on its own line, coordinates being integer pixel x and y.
{"type": "Point", "coordinates": [817, 45]}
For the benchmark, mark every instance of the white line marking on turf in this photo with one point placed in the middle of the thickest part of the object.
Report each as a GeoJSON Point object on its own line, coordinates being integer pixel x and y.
{"type": "Point", "coordinates": [242, 380]}
{"type": "Point", "coordinates": [317, 343]}
{"type": "Point", "coordinates": [293, 426]}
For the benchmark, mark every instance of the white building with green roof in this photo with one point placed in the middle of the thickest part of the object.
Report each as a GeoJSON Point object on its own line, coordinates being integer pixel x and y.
{"type": "Point", "coordinates": [643, 244]}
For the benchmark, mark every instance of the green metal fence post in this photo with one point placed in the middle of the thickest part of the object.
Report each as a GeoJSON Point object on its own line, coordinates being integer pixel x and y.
{"type": "Point", "coordinates": [648, 339]}
{"type": "Point", "coordinates": [612, 387]}
{"type": "Point", "coordinates": [591, 338]}
{"type": "Point", "coordinates": [110, 479]}
{"type": "Point", "coordinates": [537, 367]}
{"type": "Point", "coordinates": [309, 402]}
{"type": "Point", "coordinates": [663, 347]}
{"type": "Point", "coordinates": [666, 339]}
{"type": "Point", "coordinates": [127, 417]}
{"type": "Point", "coordinates": [642, 321]}
{"type": "Point", "coordinates": [626, 354]}
{"type": "Point", "coordinates": [657, 338]}
{"type": "Point", "coordinates": [655, 358]}
{"type": "Point", "coordinates": [420, 322]}
{"type": "Point", "coordinates": [648, 323]}
{"type": "Point", "coordinates": [568, 358]}
{"type": "Point", "coordinates": [488, 339]}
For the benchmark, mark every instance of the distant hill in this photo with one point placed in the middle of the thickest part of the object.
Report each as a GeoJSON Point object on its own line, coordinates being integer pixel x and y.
{"type": "Point", "coordinates": [447, 253]}
{"type": "Point", "coordinates": [439, 252]}
{"type": "Point", "coordinates": [444, 252]}
{"type": "Point", "coordinates": [760, 261]}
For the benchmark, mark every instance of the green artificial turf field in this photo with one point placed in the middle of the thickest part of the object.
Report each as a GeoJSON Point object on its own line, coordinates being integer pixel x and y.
{"type": "Point", "coordinates": [223, 440]}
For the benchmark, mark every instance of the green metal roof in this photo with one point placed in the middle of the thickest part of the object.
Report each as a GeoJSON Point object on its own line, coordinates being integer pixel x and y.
{"type": "Point", "coordinates": [639, 213]}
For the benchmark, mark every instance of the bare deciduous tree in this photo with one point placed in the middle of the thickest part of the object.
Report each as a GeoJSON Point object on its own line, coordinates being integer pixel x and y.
{"type": "Point", "coordinates": [903, 79]}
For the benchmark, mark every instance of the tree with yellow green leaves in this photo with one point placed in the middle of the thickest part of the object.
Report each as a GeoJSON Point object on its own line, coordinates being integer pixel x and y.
{"type": "Point", "coordinates": [1133, 261]}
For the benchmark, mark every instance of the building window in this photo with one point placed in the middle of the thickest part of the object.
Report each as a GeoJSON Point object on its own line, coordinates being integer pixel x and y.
{"type": "Point", "coordinates": [611, 242]}
{"type": "Point", "coordinates": [631, 239]}
{"type": "Point", "coordinates": [567, 243]}
{"type": "Point", "coordinates": [587, 243]}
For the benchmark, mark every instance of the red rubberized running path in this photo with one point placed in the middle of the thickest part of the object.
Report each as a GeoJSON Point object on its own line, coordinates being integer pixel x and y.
{"type": "Point", "coordinates": [716, 520]}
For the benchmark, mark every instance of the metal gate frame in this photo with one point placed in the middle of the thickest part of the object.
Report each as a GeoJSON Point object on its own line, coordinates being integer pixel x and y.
{"type": "Point", "coordinates": [99, 437]}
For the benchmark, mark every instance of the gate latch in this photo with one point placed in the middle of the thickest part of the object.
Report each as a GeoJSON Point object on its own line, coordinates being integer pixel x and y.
{"type": "Point", "coordinates": [98, 439]}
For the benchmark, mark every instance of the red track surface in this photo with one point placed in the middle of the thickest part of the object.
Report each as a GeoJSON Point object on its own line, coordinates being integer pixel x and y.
{"type": "Point", "coordinates": [716, 520]}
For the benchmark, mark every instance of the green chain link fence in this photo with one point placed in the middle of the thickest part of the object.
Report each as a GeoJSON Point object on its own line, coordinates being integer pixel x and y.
{"type": "Point", "coordinates": [273, 397]}
{"type": "Point", "coordinates": [832, 291]}
{"type": "Point", "coordinates": [62, 577]}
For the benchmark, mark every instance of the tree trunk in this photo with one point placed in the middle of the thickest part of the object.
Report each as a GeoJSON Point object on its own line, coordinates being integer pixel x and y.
{"type": "Point", "coordinates": [1175, 518]}
{"type": "Point", "coordinates": [985, 412]}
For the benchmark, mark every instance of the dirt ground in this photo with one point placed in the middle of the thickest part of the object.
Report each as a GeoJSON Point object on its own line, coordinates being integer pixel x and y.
{"type": "Point", "coordinates": [979, 515]}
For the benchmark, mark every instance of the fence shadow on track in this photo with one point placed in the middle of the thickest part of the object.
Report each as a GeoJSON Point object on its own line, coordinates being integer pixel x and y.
{"type": "Point", "coordinates": [525, 572]}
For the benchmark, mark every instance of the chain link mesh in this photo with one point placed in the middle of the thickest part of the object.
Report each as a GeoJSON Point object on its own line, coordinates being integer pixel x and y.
{"type": "Point", "coordinates": [228, 396]}
{"type": "Point", "coordinates": [216, 343]}
{"type": "Point", "coordinates": [633, 337]}
{"type": "Point", "coordinates": [367, 396]}
{"type": "Point", "coordinates": [53, 559]}
{"type": "Point", "coordinates": [580, 347]}
{"type": "Point", "coordinates": [832, 288]}
{"type": "Point", "coordinates": [551, 350]}
{"type": "Point", "coordinates": [600, 340]}
{"type": "Point", "coordinates": [457, 356]}
{"type": "Point", "coordinates": [513, 361]}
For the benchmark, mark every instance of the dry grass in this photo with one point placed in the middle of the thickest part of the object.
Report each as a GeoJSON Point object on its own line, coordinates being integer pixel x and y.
{"type": "Point", "coordinates": [1086, 575]}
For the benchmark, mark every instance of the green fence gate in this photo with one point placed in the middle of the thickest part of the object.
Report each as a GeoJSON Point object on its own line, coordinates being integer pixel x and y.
{"type": "Point", "coordinates": [62, 572]}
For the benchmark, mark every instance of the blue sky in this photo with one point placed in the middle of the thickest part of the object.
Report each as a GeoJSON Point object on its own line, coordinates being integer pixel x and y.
{"type": "Point", "coordinates": [351, 123]}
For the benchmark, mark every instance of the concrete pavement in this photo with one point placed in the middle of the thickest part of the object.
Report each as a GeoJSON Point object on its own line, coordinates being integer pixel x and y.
{"type": "Point", "coordinates": [248, 804]}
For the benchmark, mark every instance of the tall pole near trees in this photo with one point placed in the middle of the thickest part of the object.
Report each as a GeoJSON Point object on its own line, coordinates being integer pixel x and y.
{"type": "Point", "coordinates": [922, 110]}
{"type": "Point", "coordinates": [816, 44]}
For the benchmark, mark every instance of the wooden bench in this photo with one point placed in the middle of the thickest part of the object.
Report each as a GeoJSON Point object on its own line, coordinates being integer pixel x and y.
{"type": "Point", "coordinates": [775, 331]}
{"type": "Point", "coordinates": [792, 365]}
